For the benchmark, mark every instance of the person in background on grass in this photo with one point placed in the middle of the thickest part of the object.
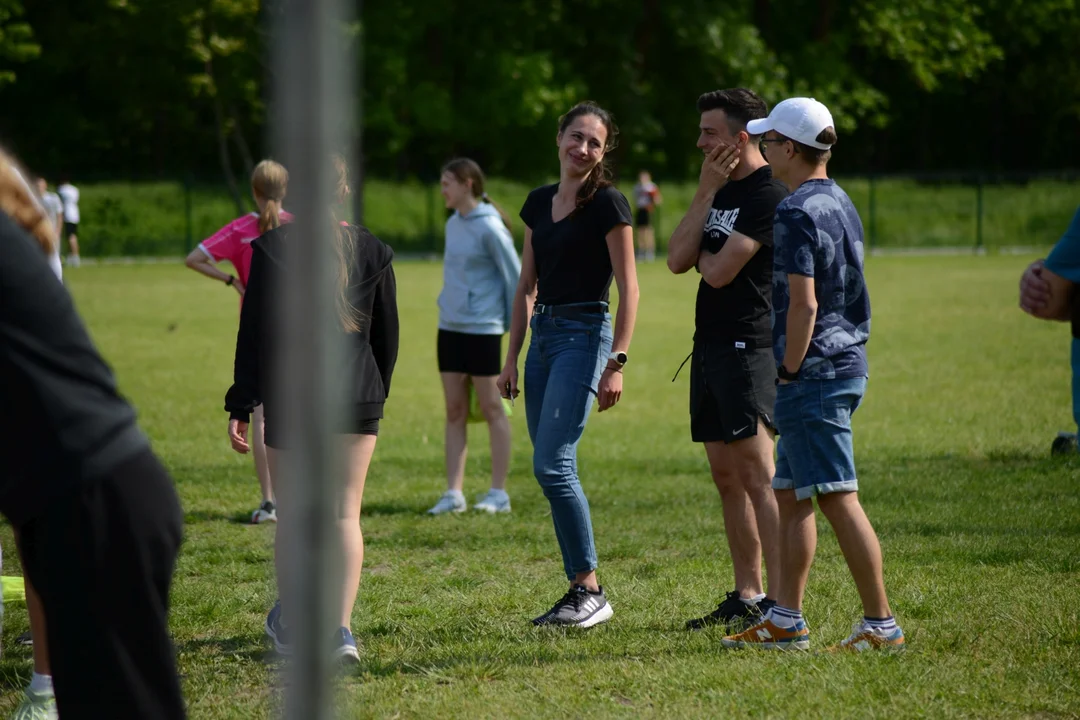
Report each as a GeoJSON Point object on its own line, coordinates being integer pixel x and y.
{"type": "Point", "coordinates": [1048, 292]}
{"type": "Point", "coordinates": [368, 318]}
{"type": "Point", "coordinates": [646, 198]}
{"type": "Point", "coordinates": [96, 516]}
{"type": "Point", "coordinates": [54, 210]}
{"type": "Point", "coordinates": [577, 238]}
{"type": "Point", "coordinates": [69, 195]}
{"type": "Point", "coordinates": [822, 322]}
{"type": "Point", "coordinates": [269, 182]}
{"type": "Point", "coordinates": [727, 234]}
{"type": "Point", "coordinates": [480, 274]}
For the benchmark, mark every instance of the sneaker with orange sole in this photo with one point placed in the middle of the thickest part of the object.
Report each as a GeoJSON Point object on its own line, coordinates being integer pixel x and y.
{"type": "Point", "coordinates": [864, 638]}
{"type": "Point", "coordinates": [769, 636]}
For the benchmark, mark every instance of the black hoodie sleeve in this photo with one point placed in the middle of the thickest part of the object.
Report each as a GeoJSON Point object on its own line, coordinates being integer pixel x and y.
{"type": "Point", "coordinates": [244, 395]}
{"type": "Point", "coordinates": [384, 326]}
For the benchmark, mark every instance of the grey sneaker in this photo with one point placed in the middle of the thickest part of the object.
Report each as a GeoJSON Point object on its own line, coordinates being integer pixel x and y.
{"type": "Point", "coordinates": [578, 608]}
{"type": "Point", "coordinates": [493, 501]}
{"type": "Point", "coordinates": [451, 501]}
{"type": "Point", "coordinates": [36, 706]}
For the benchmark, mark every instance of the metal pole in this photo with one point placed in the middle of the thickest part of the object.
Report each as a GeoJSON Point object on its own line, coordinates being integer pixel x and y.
{"type": "Point", "coordinates": [873, 212]}
{"type": "Point", "coordinates": [313, 102]}
{"type": "Point", "coordinates": [979, 213]}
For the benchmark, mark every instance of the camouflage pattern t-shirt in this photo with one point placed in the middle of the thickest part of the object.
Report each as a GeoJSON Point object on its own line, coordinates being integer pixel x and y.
{"type": "Point", "coordinates": [818, 234]}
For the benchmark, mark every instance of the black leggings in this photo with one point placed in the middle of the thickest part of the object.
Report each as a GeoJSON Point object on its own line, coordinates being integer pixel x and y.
{"type": "Point", "coordinates": [102, 560]}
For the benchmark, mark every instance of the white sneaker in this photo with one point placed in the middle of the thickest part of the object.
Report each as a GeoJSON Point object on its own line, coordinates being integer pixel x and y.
{"type": "Point", "coordinates": [266, 512]}
{"type": "Point", "coordinates": [493, 501]}
{"type": "Point", "coordinates": [451, 501]}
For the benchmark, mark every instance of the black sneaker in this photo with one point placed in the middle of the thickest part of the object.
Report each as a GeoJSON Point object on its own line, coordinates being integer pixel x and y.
{"type": "Point", "coordinates": [732, 613]}
{"type": "Point", "coordinates": [578, 608]}
{"type": "Point", "coordinates": [1064, 444]}
{"type": "Point", "coordinates": [25, 639]}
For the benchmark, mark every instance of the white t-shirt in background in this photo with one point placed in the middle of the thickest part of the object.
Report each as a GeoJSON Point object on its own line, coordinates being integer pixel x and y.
{"type": "Point", "coordinates": [70, 196]}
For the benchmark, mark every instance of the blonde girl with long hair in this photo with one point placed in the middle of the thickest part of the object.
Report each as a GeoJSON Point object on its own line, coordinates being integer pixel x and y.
{"type": "Point", "coordinates": [269, 182]}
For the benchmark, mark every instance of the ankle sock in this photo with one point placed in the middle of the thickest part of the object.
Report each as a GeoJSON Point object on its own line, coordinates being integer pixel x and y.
{"type": "Point", "coordinates": [883, 625]}
{"type": "Point", "coordinates": [753, 600]}
{"type": "Point", "coordinates": [41, 684]}
{"type": "Point", "coordinates": [784, 617]}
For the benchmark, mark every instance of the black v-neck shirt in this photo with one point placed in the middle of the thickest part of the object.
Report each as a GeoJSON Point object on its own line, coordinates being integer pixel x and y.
{"type": "Point", "coordinates": [573, 264]}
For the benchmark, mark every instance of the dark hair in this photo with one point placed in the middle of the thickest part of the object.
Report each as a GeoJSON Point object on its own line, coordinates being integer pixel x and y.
{"type": "Point", "coordinates": [600, 176]}
{"type": "Point", "coordinates": [739, 105]}
{"type": "Point", "coordinates": [464, 170]}
{"type": "Point", "coordinates": [813, 155]}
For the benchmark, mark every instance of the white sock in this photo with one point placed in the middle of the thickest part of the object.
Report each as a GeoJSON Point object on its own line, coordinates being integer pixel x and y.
{"type": "Point", "coordinates": [882, 625]}
{"type": "Point", "coordinates": [41, 684]}
{"type": "Point", "coordinates": [753, 600]}
{"type": "Point", "coordinates": [784, 617]}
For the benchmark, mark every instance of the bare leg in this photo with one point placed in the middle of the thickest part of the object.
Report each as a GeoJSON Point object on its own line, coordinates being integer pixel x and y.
{"type": "Point", "coordinates": [587, 580]}
{"type": "Point", "coordinates": [258, 442]}
{"type": "Point", "coordinates": [861, 549]}
{"type": "Point", "coordinates": [756, 468]}
{"type": "Point", "coordinates": [286, 521]}
{"type": "Point", "coordinates": [456, 391]}
{"type": "Point", "coordinates": [740, 525]}
{"type": "Point", "coordinates": [358, 452]}
{"type": "Point", "coordinates": [648, 242]}
{"type": "Point", "coordinates": [491, 404]}
{"type": "Point", "coordinates": [798, 535]}
{"type": "Point", "coordinates": [73, 241]}
{"type": "Point", "coordinates": [36, 611]}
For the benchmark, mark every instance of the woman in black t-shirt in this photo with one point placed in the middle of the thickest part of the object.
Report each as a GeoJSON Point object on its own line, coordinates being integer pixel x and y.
{"type": "Point", "coordinates": [577, 238]}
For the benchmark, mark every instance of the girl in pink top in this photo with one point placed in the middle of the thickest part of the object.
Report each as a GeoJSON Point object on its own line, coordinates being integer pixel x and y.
{"type": "Point", "coordinates": [233, 243]}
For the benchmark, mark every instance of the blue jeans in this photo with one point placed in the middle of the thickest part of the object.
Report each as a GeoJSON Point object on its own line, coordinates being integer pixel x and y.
{"type": "Point", "coordinates": [562, 370]}
{"type": "Point", "coordinates": [814, 454]}
{"type": "Point", "coordinates": [1076, 380]}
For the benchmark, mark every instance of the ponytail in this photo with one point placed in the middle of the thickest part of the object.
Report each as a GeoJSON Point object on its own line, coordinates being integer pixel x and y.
{"type": "Point", "coordinates": [270, 216]}
{"type": "Point", "coordinates": [484, 197]}
{"type": "Point", "coordinates": [597, 179]}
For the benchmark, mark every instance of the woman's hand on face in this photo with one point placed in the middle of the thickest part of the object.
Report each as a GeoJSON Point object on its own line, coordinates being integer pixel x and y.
{"type": "Point", "coordinates": [610, 388]}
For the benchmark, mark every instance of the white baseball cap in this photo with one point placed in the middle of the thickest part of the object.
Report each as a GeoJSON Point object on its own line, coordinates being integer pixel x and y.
{"type": "Point", "coordinates": [801, 119]}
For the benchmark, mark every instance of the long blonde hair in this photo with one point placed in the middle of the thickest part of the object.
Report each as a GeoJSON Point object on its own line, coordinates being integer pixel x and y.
{"type": "Point", "coordinates": [270, 181]}
{"type": "Point", "coordinates": [352, 320]}
{"type": "Point", "coordinates": [22, 205]}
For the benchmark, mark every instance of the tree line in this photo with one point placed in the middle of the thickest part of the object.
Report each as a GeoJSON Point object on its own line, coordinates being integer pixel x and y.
{"type": "Point", "coordinates": [171, 88]}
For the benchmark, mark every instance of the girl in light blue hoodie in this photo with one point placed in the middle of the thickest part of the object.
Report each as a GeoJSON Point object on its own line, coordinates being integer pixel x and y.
{"type": "Point", "coordinates": [480, 276]}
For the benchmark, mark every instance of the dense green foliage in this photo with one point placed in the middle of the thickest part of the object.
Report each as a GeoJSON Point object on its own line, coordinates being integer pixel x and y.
{"type": "Point", "coordinates": [978, 524]}
{"type": "Point", "coordinates": [123, 89]}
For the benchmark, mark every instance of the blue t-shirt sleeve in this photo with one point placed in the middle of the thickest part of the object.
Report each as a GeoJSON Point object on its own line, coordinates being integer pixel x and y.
{"type": "Point", "coordinates": [1064, 259]}
{"type": "Point", "coordinates": [795, 238]}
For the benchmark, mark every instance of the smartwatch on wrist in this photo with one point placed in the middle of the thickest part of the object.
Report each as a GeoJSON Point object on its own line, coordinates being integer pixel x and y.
{"type": "Point", "coordinates": [230, 281]}
{"type": "Point", "coordinates": [619, 357]}
{"type": "Point", "coordinates": [782, 373]}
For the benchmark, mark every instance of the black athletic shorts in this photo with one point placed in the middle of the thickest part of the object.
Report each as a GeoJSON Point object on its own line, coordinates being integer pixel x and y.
{"type": "Point", "coordinates": [644, 218]}
{"type": "Point", "coordinates": [730, 388]}
{"type": "Point", "coordinates": [476, 355]}
{"type": "Point", "coordinates": [70, 229]}
{"type": "Point", "coordinates": [356, 425]}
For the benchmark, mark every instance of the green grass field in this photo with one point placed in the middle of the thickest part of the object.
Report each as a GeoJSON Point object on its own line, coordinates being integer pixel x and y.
{"type": "Point", "coordinates": [980, 528]}
{"type": "Point", "coordinates": [150, 218]}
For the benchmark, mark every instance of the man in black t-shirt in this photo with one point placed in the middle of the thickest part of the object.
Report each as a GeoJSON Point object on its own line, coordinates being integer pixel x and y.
{"type": "Point", "coordinates": [727, 234]}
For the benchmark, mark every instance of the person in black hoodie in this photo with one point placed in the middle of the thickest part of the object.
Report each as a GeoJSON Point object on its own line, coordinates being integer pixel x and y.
{"type": "Point", "coordinates": [97, 518]}
{"type": "Point", "coordinates": [367, 311]}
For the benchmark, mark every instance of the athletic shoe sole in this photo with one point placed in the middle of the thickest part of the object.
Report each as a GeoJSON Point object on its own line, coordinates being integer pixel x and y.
{"type": "Point", "coordinates": [444, 512]}
{"type": "Point", "coordinates": [490, 509]}
{"type": "Point", "coordinates": [259, 517]}
{"type": "Point", "coordinates": [600, 616]}
{"type": "Point", "coordinates": [347, 655]}
{"type": "Point", "coordinates": [793, 645]}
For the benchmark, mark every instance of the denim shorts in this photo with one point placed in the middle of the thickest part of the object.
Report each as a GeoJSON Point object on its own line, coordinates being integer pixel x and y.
{"type": "Point", "coordinates": [814, 454]}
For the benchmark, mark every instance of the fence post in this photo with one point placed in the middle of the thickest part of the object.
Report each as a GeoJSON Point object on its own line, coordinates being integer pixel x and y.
{"type": "Point", "coordinates": [432, 242]}
{"type": "Point", "coordinates": [188, 221]}
{"type": "Point", "coordinates": [979, 213]}
{"type": "Point", "coordinates": [873, 213]}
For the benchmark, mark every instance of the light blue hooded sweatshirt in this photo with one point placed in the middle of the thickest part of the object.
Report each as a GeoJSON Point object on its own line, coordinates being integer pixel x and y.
{"type": "Point", "coordinates": [480, 273]}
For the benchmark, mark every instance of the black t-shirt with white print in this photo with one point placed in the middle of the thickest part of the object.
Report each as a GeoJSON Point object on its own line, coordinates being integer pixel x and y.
{"type": "Point", "coordinates": [740, 311]}
{"type": "Point", "coordinates": [573, 264]}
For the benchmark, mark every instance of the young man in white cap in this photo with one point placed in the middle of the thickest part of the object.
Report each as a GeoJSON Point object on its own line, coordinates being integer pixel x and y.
{"type": "Point", "coordinates": [821, 325]}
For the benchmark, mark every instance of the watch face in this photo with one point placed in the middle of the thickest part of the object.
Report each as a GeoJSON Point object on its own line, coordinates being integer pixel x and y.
{"type": "Point", "coordinates": [620, 358]}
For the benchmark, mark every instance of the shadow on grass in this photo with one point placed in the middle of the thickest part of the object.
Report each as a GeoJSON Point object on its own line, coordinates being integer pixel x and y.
{"type": "Point", "coordinates": [392, 507]}
{"type": "Point", "coordinates": [244, 647]}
